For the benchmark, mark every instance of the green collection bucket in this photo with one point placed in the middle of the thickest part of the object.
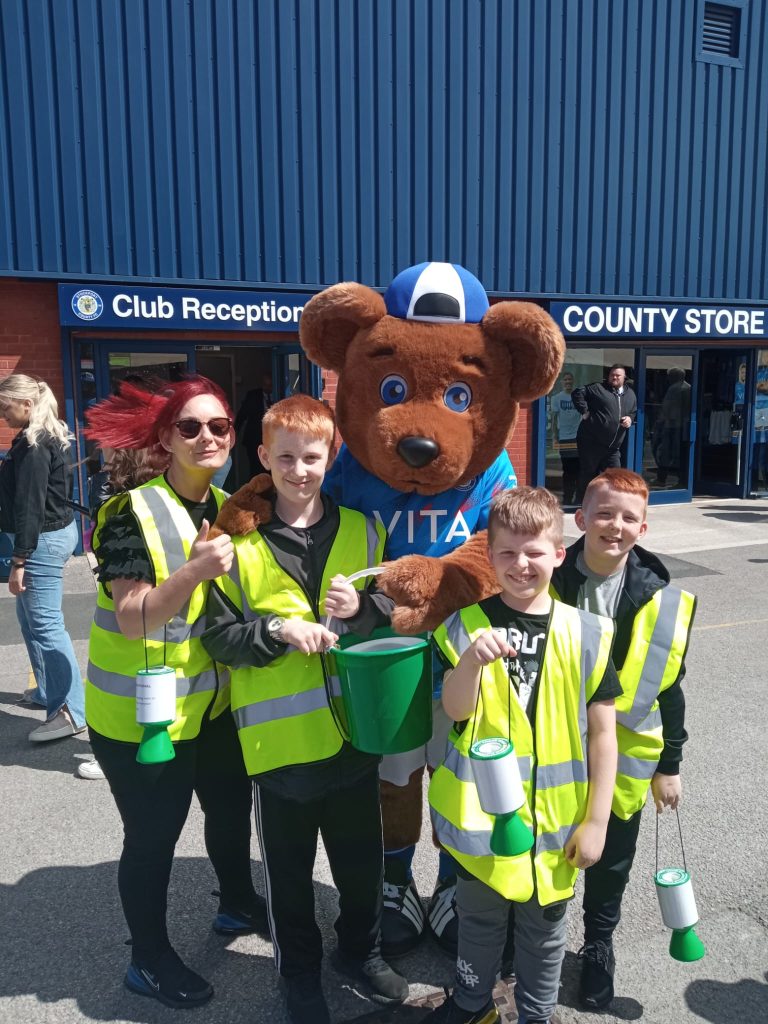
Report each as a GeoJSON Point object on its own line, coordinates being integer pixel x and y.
{"type": "Point", "coordinates": [386, 687]}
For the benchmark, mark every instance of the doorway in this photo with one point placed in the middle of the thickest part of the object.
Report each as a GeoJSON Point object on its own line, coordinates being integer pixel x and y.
{"type": "Point", "coordinates": [722, 456]}
{"type": "Point", "coordinates": [666, 424]}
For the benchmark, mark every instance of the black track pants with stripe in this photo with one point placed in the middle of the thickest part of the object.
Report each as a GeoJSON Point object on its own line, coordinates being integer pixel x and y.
{"type": "Point", "coordinates": [349, 821]}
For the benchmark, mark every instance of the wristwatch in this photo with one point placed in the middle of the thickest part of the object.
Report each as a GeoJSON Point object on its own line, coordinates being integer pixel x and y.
{"type": "Point", "coordinates": [275, 628]}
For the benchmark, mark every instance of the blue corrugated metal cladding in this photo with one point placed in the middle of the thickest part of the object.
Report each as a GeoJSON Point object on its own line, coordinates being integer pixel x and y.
{"type": "Point", "coordinates": [552, 146]}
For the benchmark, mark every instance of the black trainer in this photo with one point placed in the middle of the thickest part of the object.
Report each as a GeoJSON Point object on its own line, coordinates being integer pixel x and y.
{"type": "Point", "coordinates": [402, 916]}
{"type": "Point", "coordinates": [598, 966]}
{"type": "Point", "coordinates": [168, 979]}
{"type": "Point", "coordinates": [450, 1013]}
{"type": "Point", "coordinates": [383, 983]}
{"type": "Point", "coordinates": [305, 1000]}
{"type": "Point", "coordinates": [242, 922]}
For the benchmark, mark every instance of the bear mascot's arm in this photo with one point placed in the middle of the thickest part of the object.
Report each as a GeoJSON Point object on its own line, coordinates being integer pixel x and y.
{"type": "Point", "coordinates": [246, 509]}
{"type": "Point", "coordinates": [427, 590]}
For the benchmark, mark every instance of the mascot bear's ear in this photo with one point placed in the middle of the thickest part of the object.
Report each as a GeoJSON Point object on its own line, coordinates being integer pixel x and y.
{"type": "Point", "coordinates": [536, 346]}
{"type": "Point", "coordinates": [331, 319]}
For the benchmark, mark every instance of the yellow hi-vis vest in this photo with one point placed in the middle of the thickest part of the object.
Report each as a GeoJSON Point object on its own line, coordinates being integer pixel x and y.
{"type": "Point", "coordinates": [552, 757]}
{"type": "Point", "coordinates": [660, 634]}
{"type": "Point", "coordinates": [114, 660]}
{"type": "Point", "coordinates": [281, 709]}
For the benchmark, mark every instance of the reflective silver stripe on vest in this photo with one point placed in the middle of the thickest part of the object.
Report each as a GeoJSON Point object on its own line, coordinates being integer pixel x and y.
{"type": "Point", "coordinates": [372, 541]}
{"type": "Point", "coordinates": [473, 844]}
{"type": "Point", "coordinates": [164, 511]}
{"type": "Point", "coordinates": [457, 633]}
{"type": "Point", "coordinates": [125, 686]}
{"type": "Point", "coordinates": [291, 706]}
{"type": "Point", "coordinates": [461, 765]}
{"type": "Point", "coordinates": [637, 767]}
{"type": "Point", "coordinates": [177, 630]}
{"type": "Point", "coordinates": [554, 841]}
{"type": "Point", "coordinates": [565, 773]}
{"type": "Point", "coordinates": [656, 660]}
{"type": "Point", "coordinates": [650, 723]}
{"type": "Point", "coordinates": [591, 635]}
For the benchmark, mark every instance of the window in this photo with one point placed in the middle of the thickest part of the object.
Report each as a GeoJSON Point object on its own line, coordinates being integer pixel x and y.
{"type": "Point", "coordinates": [721, 32]}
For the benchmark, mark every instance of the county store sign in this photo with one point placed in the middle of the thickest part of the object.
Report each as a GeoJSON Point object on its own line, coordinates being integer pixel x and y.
{"type": "Point", "coordinates": [656, 321]}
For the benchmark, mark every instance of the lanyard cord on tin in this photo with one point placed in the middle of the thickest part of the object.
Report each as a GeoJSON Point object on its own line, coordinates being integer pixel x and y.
{"type": "Point", "coordinates": [682, 847]}
{"type": "Point", "coordinates": [144, 631]}
{"type": "Point", "coordinates": [477, 705]}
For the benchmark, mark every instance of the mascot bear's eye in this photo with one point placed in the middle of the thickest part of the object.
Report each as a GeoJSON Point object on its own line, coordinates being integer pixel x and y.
{"type": "Point", "coordinates": [458, 397]}
{"type": "Point", "coordinates": [393, 389]}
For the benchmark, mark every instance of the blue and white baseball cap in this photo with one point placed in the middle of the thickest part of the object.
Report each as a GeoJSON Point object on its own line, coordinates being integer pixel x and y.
{"type": "Point", "coordinates": [440, 293]}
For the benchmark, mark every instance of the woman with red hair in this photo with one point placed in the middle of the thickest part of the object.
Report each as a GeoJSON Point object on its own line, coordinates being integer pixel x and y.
{"type": "Point", "coordinates": [155, 566]}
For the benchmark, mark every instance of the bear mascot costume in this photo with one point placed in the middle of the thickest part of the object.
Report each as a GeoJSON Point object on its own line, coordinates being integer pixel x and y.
{"type": "Point", "coordinates": [430, 377]}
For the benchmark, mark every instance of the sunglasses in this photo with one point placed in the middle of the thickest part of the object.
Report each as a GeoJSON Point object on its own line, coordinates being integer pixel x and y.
{"type": "Point", "coordinates": [219, 426]}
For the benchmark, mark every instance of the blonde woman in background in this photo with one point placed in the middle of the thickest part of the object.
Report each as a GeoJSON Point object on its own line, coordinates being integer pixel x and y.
{"type": "Point", "coordinates": [35, 484]}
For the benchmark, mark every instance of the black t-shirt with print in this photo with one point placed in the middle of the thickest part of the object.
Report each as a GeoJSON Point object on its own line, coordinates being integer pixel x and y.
{"type": "Point", "coordinates": [528, 634]}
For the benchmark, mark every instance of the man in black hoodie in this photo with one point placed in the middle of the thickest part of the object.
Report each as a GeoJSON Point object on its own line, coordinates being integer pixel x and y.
{"type": "Point", "coordinates": [608, 573]}
{"type": "Point", "coordinates": [608, 409]}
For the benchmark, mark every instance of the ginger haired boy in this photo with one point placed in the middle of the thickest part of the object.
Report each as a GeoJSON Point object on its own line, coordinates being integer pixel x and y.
{"type": "Point", "coordinates": [607, 572]}
{"type": "Point", "coordinates": [267, 621]}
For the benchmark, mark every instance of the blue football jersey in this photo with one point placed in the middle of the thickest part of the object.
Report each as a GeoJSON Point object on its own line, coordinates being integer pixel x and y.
{"type": "Point", "coordinates": [419, 524]}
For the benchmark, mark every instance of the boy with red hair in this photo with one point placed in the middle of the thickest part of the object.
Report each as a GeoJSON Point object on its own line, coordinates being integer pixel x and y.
{"type": "Point", "coordinates": [608, 573]}
{"type": "Point", "coordinates": [272, 619]}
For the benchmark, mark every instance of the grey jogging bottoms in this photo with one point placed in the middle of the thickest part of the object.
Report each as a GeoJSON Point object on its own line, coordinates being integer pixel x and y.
{"type": "Point", "coordinates": [539, 950]}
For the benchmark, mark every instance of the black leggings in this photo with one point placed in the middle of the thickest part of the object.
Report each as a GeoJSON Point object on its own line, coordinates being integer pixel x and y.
{"type": "Point", "coordinates": [154, 800]}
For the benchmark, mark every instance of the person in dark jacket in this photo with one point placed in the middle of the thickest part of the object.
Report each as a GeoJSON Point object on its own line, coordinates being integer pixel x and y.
{"type": "Point", "coordinates": [608, 573]}
{"type": "Point", "coordinates": [35, 488]}
{"type": "Point", "coordinates": [248, 422]}
{"type": "Point", "coordinates": [608, 409]}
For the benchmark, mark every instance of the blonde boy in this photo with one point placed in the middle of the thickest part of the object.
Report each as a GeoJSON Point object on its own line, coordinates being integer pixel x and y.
{"type": "Point", "coordinates": [266, 620]}
{"type": "Point", "coordinates": [528, 668]}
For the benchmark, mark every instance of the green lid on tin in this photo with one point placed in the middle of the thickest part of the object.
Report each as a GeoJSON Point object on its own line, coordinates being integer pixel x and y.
{"type": "Point", "coordinates": [670, 877]}
{"type": "Point", "coordinates": [157, 670]}
{"type": "Point", "coordinates": [490, 749]}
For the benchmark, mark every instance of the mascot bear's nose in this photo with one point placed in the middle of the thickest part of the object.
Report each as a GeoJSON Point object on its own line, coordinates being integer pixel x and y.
{"type": "Point", "coordinates": [418, 451]}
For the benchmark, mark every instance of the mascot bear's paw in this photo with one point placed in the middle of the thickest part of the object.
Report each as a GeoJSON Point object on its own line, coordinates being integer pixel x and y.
{"type": "Point", "coordinates": [246, 509]}
{"type": "Point", "coordinates": [417, 584]}
{"type": "Point", "coordinates": [427, 591]}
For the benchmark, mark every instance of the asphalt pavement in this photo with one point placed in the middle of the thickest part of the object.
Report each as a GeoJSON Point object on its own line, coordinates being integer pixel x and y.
{"type": "Point", "coordinates": [62, 934]}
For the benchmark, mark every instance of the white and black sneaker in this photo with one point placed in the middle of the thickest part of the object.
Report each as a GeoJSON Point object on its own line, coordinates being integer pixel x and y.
{"type": "Point", "coordinates": [442, 916]}
{"type": "Point", "coordinates": [169, 980]}
{"type": "Point", "coordinates": [402, 917]}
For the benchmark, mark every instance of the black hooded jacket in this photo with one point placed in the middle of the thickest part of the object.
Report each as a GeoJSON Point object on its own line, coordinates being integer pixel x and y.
{"type": "Point", "coordinates": [644, 575]}
{"type": "Point", "coordinates": [606, 408]}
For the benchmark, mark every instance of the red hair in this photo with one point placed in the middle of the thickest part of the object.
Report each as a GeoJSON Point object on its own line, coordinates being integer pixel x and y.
{"type": "Point", "coordinates": [135, 418]}
{"type": "Point", "coordinates": [300, 414]}
{"type": "Point", "coordinates": [621, 480]}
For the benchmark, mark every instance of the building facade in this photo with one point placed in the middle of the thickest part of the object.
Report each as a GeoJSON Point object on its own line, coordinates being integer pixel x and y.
{"type": "Point", "coordinates": [178, 177]}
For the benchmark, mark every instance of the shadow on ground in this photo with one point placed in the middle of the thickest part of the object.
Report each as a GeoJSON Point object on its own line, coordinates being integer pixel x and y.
{"type": "Point", "coordinates": [55, 756]}
{"type": "Point", "coordinates": [716, 1000]}
{"type": "Point", "coordinates": [69, 944]}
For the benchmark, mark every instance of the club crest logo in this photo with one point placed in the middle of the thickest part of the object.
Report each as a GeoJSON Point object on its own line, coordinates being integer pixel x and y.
{"type": "Point", "coordinates": [87, 305]}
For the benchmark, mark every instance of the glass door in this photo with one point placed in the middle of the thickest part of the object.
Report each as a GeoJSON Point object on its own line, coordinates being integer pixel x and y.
{"type": "Point", "coordinates": [722, 453]}
{"type": "Point", "coordinates": [100, 365]}
{"type": "Point", "coordinates": [666, 424]}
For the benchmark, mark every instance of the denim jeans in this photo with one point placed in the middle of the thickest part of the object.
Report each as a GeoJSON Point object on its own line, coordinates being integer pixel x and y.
{"type": "Point", "coordinates": [48, 643]}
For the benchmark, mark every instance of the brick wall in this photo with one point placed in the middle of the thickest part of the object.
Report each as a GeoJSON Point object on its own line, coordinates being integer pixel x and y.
{"type": "Point", "coordinates": [30, 338]}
